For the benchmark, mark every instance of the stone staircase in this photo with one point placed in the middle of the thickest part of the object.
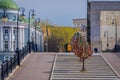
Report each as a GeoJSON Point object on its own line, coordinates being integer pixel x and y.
{"type": "Point", "coordinates": [67, 67]}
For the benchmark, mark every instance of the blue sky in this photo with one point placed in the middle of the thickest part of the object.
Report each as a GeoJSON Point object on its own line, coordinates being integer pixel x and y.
{"type": "Point", "coordinates": [58, 12]}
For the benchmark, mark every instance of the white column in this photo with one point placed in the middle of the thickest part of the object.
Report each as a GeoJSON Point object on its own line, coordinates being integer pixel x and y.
{"type": "Point", "coordinates": [1, 37]}
{"type": "Point", "coordinates": [42, 42]}
{"type": "Point", "coordinates": [20, 38]}
{"type": "Point", "coordinates": [39, 41]}
{"type": "Point", "coordinates": [22, 35]}
{"type": "Point", "coordinates": [12, 38]}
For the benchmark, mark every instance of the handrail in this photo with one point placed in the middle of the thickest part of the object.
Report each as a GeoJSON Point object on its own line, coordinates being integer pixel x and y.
{"type": "Point", "coordinates": [9, 66]}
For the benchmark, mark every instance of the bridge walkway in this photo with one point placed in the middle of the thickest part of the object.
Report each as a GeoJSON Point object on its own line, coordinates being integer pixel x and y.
{"type": "Point", "coordinates": [37, 66]}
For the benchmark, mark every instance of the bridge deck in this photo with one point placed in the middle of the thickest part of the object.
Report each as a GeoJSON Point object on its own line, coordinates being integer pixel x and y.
{"type": "Point", "coordinates": [35, 67]}
{"type": "Point", "coordinates": [67, 67]}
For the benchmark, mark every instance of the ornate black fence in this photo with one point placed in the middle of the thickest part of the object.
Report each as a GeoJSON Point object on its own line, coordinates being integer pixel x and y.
{"type": "Point", "coordinates": [8, 66]}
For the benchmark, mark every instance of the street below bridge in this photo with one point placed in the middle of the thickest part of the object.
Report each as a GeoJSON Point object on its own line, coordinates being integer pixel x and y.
{"type": "Point", "coordinates": [66, 66]}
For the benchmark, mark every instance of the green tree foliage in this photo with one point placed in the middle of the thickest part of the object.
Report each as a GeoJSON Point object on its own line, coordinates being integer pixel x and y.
{"type": "Point", "coordinates": [53, 43]}
{"type": "Point", "coordinates": [59, 36]}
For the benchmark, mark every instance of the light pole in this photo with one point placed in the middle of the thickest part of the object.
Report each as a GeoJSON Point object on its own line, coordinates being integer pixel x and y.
{"type": "Point", "coordinates": [106, 35]}
{"type": "Point", "coordinates": [37, 21]}
{"type": "Point", "coordinates": [46, 44]}
{"type": "Point", "coordinates": [114, 21]}
{"type": "Point", "coordinates": [29, 43]}
{"type": "Point", "coordinates": [46, 38]}
{"type": "Point", "coordinates": [20, 11]}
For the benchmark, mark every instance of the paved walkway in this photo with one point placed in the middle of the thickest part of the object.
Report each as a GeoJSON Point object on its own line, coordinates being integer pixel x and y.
{"type": "Point", "coordinates": [113, 60]}
{"type": "Point", "coordinates": [36, 67]}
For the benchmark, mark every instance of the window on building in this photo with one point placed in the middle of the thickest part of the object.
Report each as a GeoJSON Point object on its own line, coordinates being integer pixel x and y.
{"type": "Point", "coordinates": [6, 31]}
{"type": "Point", "coordinates": [6, 45]}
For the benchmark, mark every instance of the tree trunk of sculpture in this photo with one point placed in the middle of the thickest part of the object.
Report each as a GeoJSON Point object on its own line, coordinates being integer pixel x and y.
{"type": "Point", "coordinates": [83, 66]}
{"type": "Point", "coordinates": [82, 49]}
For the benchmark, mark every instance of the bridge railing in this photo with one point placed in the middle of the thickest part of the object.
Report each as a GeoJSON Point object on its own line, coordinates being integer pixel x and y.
{"type": "Point", "coordinates": [8, 66]}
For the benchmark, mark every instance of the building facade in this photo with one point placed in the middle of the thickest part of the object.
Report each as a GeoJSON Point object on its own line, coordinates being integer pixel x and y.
{"type": "Point", "coordinates": [81, 25]}
{"type": "Point", "coordinates": [8, 30]}
{"type": "Point", "coordinates": [104, 24]}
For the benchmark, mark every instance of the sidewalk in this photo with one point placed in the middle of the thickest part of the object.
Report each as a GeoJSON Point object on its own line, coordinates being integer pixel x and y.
{"type": "Point", "coordinates": [36, 67]}
{"type": "Point", "coordinates": [114, 61]}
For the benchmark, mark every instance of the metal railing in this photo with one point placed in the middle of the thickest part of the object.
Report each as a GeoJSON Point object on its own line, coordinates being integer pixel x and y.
{"type": "Point", "coordinates": [9, 66]}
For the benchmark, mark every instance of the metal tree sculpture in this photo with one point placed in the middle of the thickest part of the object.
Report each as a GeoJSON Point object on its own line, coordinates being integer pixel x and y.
{"type": "Point", "coordinates": [82, 49]}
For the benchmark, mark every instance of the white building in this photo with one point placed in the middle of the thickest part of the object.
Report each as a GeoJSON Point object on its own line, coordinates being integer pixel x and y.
{"type": "Point", "coordinates": [8, 29]}
{"type": "Point", "coordinates": [81, 25]}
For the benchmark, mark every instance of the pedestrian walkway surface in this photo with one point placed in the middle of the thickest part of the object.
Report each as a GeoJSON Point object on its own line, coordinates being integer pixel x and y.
{"type": "Point", "coordinates": [67, 67]}
{"type": "Point", "coordinates": [113, 59]}
{"type": "Point", "coordinates": [37, 66]}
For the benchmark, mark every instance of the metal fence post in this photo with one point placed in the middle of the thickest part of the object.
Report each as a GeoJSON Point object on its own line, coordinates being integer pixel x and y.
{"type": "Point", "coordinates": [11, 64]}
{"type": "Point", "coordinates": [2, 72]}
{"type": "Point", "coordinates": [18, 57]}
{"type": "Point", "coordinates": [7, 67]}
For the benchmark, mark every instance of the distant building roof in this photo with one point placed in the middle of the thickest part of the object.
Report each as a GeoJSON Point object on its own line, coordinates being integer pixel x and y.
{"type": "Point", "coordinates": [9, 4]}
{"type": "Point", "coordinates": [80, 21]}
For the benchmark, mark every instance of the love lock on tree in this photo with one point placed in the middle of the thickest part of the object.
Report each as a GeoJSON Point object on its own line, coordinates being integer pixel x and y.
{"type": "Point", "coordinates": [81, 49]}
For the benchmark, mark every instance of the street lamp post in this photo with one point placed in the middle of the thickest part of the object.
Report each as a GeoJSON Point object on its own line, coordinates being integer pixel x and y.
{"type": "Point", "coordinates": [106, 35]}
{"type": "Point", "coordinates": [46, 38]}
{"type": "Point", "coordinates": [29, 43]}
{"type": "Point", "coordinates": [20, 10]}
{"type": "Point", "coordinates": [37, 21]}
{"type": "Point", "coordinates": [115, 22]}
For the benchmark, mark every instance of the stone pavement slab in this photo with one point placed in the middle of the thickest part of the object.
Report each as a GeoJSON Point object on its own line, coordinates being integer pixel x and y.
{"type": "Point", "coordinates": [36, 67]}
{"type": "Point", "coordinates": [67, 67]}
